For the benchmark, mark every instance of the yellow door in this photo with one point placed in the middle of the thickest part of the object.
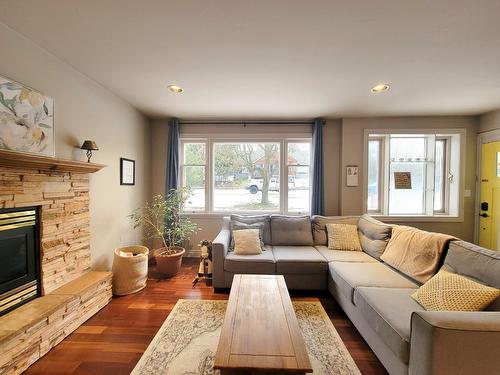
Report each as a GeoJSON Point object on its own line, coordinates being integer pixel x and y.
{"type": "Point", "coordinates": [489, 210]}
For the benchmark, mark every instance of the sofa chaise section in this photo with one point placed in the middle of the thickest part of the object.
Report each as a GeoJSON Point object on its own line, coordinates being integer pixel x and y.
{"type": "Point", "coordinates": [345, 277]}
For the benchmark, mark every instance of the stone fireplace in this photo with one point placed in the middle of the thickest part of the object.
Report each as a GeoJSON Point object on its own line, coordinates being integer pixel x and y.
{"type": "Point", "coordinates": [47, 288]}
{"type": "Point", "coordinates": [19, 257]}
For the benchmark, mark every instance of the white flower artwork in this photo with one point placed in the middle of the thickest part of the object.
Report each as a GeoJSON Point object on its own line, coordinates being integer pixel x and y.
{"type": "Point", "coordinates": [26, 119]}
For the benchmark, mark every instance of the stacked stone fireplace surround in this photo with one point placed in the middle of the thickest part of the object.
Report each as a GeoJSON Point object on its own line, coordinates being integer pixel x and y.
{"type": "Point", "coordinates": [71, 292]}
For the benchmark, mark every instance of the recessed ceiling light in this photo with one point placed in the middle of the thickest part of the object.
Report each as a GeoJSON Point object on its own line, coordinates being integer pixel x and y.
{"type": "Point", "coordinates": [175, 89]}
{"type": "Point", "coordinates": [377, 89]}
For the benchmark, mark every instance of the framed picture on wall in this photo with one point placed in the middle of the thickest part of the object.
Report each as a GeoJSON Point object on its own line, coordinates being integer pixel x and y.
{"type": "Point", "coordinates": [127, 171]}
{"type": "Point", "coordinates": [26, 119]}
{"type": "Point", "coordinates": [352, 175]}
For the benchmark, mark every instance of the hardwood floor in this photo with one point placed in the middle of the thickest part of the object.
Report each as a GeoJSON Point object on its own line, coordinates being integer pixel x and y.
{"type": "Point", "coordinates": [114, 339]}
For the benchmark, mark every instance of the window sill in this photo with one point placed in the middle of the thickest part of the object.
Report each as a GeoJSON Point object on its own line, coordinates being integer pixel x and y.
{"type": "Point", "coordinates": [423, 218]}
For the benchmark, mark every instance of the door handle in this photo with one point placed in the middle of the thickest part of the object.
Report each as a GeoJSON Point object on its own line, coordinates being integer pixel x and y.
{"type": "Point", "coordinates": [484, 215]}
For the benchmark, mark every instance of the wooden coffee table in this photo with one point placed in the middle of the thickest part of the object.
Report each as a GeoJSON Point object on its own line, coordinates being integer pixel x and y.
{"type": "Point", "coordinates": [260, 331]}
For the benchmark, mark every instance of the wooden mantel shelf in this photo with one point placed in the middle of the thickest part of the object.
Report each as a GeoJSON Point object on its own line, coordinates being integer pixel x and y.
{"type": "Point", "coordinates": [18, 160]}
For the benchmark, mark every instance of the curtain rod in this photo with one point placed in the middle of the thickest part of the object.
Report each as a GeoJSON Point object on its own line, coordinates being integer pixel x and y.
{"type": "Point", "coordinates": [241, 122]}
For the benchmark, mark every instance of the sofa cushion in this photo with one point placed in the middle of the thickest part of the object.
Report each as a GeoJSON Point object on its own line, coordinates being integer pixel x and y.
{"type": "Point", "coordinates": [319, 226]}
{"type": "Point", "coordinates": [236, 226]}
{"type": "Point", "coordinates": [291, 230]}
{"type": "Point", "coordinates": [388, 311]}
{"type": "Point", "coordinates": [262, 263]}
{"type": "Point", "coordinates": [373, 235]}
{"type": "Point", "coordinates": [344, 256]}
{"type": "Point", "coordinates": [348, 275]}
{"type": "Point", "coordinates": [299, 259]}
{"type": "Point", "coordinates": [247, 242]}
{"type": "Point", "coordinates": [475, 262]}
{"type": "Point", "coordinates": [447, 291]}
{"type": "Point", "coordinates": [252, 219]}
{"type": "Point", "coordinates": [343, 237]}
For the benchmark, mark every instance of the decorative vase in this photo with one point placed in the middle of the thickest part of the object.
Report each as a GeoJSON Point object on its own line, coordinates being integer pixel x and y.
{"type": "Point", "coordinates": [130, 273]}
{"type": "Point", "coordinates": [169, 265]}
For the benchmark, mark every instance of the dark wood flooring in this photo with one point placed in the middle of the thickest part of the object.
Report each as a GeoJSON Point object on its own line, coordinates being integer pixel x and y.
{"type": "Point", "coordinates": [114, 339]}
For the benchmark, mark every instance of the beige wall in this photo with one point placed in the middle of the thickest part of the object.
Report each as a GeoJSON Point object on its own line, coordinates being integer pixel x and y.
{"type": "Point", "coordinates": [489, 121]}
{"type": "Point", "coordinates": [352, 154]}
{"type": "Point", "coordinates": [85, 110]}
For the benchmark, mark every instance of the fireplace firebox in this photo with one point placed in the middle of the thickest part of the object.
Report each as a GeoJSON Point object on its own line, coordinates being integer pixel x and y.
{"type": "Point", "coordinates": [19, 257]}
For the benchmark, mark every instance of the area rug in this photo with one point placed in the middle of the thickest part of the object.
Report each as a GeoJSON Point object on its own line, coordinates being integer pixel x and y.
{"type": "Point", "coordinates": [187, 341]}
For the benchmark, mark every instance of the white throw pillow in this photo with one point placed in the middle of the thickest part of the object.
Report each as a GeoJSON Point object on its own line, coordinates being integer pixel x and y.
{"type": "Point", "coordinates": [247, 242]}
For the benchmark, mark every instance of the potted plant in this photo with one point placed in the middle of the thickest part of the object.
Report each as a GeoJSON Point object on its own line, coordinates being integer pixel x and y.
{"type": "Point", "coordinates": [162, 219]}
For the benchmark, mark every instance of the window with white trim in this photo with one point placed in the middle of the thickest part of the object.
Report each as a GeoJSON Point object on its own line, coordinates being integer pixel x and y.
{"type": "Point", "coordinates": [252, 175]}
{"type": "Point", "coordinates": [414, 174]}
{"type": "Point", "coordinates": [194, 173]}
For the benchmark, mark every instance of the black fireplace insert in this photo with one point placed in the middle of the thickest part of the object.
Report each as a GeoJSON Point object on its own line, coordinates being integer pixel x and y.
{"type": "Point", "coordinates": [19, 257]}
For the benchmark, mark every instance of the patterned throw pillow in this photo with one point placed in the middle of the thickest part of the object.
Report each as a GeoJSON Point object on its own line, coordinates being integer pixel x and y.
{"type": "Point", "coordinates": [343, 237]}
{"type": "Point", "coordinates": [448, 291]}
{"type": "Point", "coordinates": [236, 225]}
{"type": "Point", "coordinates": [247, 242]}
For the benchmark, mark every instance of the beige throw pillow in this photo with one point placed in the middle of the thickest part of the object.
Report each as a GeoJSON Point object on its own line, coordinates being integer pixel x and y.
{"type": "Point", "coordinates": [415, 252]}
{"type": "Point", "coordinates": [343, 237]}
{"type": "Point", "coordinates": [448, 291]}
{"type": "Point", "coordinates": [247, 242]}
{"type": "Point", "coordinates": [235, 226]}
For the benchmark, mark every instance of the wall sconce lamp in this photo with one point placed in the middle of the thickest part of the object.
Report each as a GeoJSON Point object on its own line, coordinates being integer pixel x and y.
{"type": "Point", "coordinates": [89, 146]}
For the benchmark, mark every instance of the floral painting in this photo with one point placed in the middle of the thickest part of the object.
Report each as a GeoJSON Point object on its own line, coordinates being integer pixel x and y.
{"type": "Point", "coordinates": [26, 119]}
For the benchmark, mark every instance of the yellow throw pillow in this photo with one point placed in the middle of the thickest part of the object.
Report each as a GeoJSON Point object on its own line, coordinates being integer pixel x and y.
{"type": "Point", "coordinates": [448, 291]}
{"type": "Point", "coordinates": [247, 242]}
{"type": "Point", "coordinates": [343, 237]}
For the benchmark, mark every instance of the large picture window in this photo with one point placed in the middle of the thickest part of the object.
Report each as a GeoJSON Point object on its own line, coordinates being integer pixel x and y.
{"type": "Point", "coordinates": [246, 176]}
{"type": "Point", "coordinates": [271, 175]}
{"type": "Point", "coordinates": [413, 174]}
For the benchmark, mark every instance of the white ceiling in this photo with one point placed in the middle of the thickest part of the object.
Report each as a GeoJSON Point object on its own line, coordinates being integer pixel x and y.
{"type": "Point", "coordinates": [277, 59]}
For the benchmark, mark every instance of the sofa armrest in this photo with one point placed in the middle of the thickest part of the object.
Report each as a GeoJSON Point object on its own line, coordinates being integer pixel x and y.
{"type": "Point", "coordinates": [452, 342]}
{"type": "Point", "coordinates": [220, 247]}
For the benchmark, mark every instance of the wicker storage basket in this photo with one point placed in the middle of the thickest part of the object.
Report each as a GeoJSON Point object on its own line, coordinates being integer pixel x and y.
{"type": "Point", "coordinates": [130, 273]}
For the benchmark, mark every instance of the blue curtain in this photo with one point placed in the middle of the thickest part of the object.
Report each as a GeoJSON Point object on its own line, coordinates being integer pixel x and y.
{"type": "Point", "coordinates": [318, 193]}
{"type": "Point", "coordinates": [173, 155]}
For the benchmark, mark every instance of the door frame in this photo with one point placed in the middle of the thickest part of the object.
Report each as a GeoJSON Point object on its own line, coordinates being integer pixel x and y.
{"type": "Point", "coordinates": [482, 138]}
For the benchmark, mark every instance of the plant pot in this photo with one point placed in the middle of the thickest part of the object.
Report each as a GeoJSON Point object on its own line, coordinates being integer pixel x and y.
{"type": "Point", "coordinates": [169, 265]}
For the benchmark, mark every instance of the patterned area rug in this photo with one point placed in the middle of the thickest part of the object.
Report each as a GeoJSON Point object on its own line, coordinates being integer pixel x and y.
{"type": "Point", "coordinates": [187, 341]}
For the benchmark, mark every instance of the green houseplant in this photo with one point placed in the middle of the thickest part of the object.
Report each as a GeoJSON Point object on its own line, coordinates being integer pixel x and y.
{"type": "Point", "coordinates": [162, 219]}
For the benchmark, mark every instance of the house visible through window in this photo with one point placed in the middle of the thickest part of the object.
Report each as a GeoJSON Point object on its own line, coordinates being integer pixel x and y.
{"type": "Point", "coordinates": [245, 176]}
{"type": "Point", "coordinates": [413, 174]}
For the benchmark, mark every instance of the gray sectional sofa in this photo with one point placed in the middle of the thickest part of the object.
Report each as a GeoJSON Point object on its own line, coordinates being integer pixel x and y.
{"type": "Point", "coordinates": [406, 338]}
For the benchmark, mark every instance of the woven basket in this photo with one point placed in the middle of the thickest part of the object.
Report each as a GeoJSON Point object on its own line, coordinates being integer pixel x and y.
{"type": "Point", "coordinates": [130, 273]}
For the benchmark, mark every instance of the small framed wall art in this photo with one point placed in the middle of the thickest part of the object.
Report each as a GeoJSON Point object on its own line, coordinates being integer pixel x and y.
{"type": "Point", "coordinates": [352, 175]}
{"type": "Point", "coordinates": [127, 171]}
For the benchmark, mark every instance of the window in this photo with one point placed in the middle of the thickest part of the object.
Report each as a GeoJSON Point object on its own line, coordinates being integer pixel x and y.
{"type": "Point", "coordinates": [246, 176]}
{"type": "Point", "coordinates": [413, 174]}
{"type": "Point", "coordinates": [229, 175]}
{"type": "Point", "coordinates": [374, 167]}
{"type": "Point", "coordinates": [298, 172]}
{"type": "Point", "coordinates": [194, 172]}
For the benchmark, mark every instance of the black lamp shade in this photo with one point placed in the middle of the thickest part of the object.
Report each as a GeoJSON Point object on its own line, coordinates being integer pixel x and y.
{"type": "Point", "coordinates": [89, 145]}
